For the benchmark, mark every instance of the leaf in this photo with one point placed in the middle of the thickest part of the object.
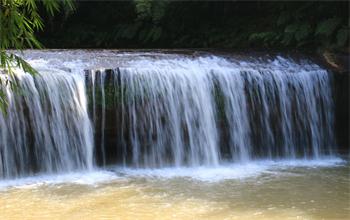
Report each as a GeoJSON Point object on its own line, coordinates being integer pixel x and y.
{"type": "Point", "coordinates": [342, 37]}
{"type": "Point", "coordinates": [292, 28]}
{"type": "Point", "coordinates": [264, 36]}
{"type": "Point", "coordinates": [51, 6]}
{"type": "Point", "coordinates": [303, 32]}
{"type": "Point", "coordinates": [156, 33]}
{"type": "Point", "coordinates": [283, 19]}
{"type": "Point", "coordinates": [327, 27]}
{"type": "Point", "coordinates": [3, 100]}
{"type": "Point", "coordinates": [287, 39]}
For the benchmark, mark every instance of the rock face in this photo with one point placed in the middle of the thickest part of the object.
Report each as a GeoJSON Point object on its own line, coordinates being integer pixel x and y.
{"type": "Point", "coordinates": [341, 97]}
{"type": "Point", "coordinates": [338, 64]}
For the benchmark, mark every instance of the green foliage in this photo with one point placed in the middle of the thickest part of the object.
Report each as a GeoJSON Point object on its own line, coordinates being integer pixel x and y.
{"type": "Point", "coordinates": [327, 27]}
{"type": "Point", "coordinates": [303, 32]}
{"type": "Point", "coordinates": [191, 24]}
{"type": "Point", "coordinates": [3, 100]}
{"type": "Point", "coordinates": [19, 20]}
{"type": "Point", "coordinates": [150, 9]}
{"type": "Point", "coordinates": [306, 25]}
{"type": "Point", "coordinates": [148, 21]}
{"type": "Point", "coordinates": [342, 37]}
{"type": "Point", "coordinates": [265, 37]}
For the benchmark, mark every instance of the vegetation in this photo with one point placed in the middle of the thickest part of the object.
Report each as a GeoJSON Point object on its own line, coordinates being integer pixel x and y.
{"type": "Point", "coordinates": [191, 24]}
{"type": "Point", "coordinates": [167, 24]}
{"type": "Point", "coordinates": [19, 21]}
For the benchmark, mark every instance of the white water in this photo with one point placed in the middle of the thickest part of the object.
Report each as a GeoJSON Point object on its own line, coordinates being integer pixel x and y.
{"type": "Point", "coordinates": [231, 171]}
{"type": "Point", "coordinates": [46, 128]}
{"type": "Point", "coordinates": [237, 171]}
{"type": "Point", "coordinates": [203, 111]}
{"type": "Point", "coordinates": [269, 109]}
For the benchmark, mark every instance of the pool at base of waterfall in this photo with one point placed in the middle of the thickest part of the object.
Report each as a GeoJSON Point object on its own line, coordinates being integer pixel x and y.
{"type": "Point", "coordinates": [268, 189]}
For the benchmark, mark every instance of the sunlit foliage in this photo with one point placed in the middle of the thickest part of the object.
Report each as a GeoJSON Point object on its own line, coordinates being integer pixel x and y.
{"type": "Point", "coordinates": [19, 20]}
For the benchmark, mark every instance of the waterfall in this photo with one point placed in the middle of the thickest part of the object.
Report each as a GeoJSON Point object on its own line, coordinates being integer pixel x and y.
{"type": "Point", "coordinates": [164, 111]}
{"type": "Point", "coordinates": [46, 127]}
{"type": "Point", "coordinates": [209, 110]}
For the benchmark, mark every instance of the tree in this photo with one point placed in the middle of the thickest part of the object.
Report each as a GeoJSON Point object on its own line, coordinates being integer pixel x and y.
{"type": "Point", "coordinates": [19, 20]}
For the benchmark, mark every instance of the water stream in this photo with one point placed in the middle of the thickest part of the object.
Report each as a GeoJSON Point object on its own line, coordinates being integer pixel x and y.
{"type": "Point", "coordinates": [170, 135]}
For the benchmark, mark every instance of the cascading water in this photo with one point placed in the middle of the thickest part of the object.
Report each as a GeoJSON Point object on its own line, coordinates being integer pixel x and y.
{"type": "Point", "coordinates": [207, 110]}
{"type": "Point", "coordinates": [159, 110]}
{"type": "Point", "coordinates": [46, 127]}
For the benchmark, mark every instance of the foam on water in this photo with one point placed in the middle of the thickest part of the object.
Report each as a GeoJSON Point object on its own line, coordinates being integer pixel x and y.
{"type": "Point", "coordinates": [82, 178]}
{"type": "Point", "coordinates": [204, 173]}
{"type": "Point", "coordinates": [172, 110]}
{"type": "Point", "coordinates": [231, 171]}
